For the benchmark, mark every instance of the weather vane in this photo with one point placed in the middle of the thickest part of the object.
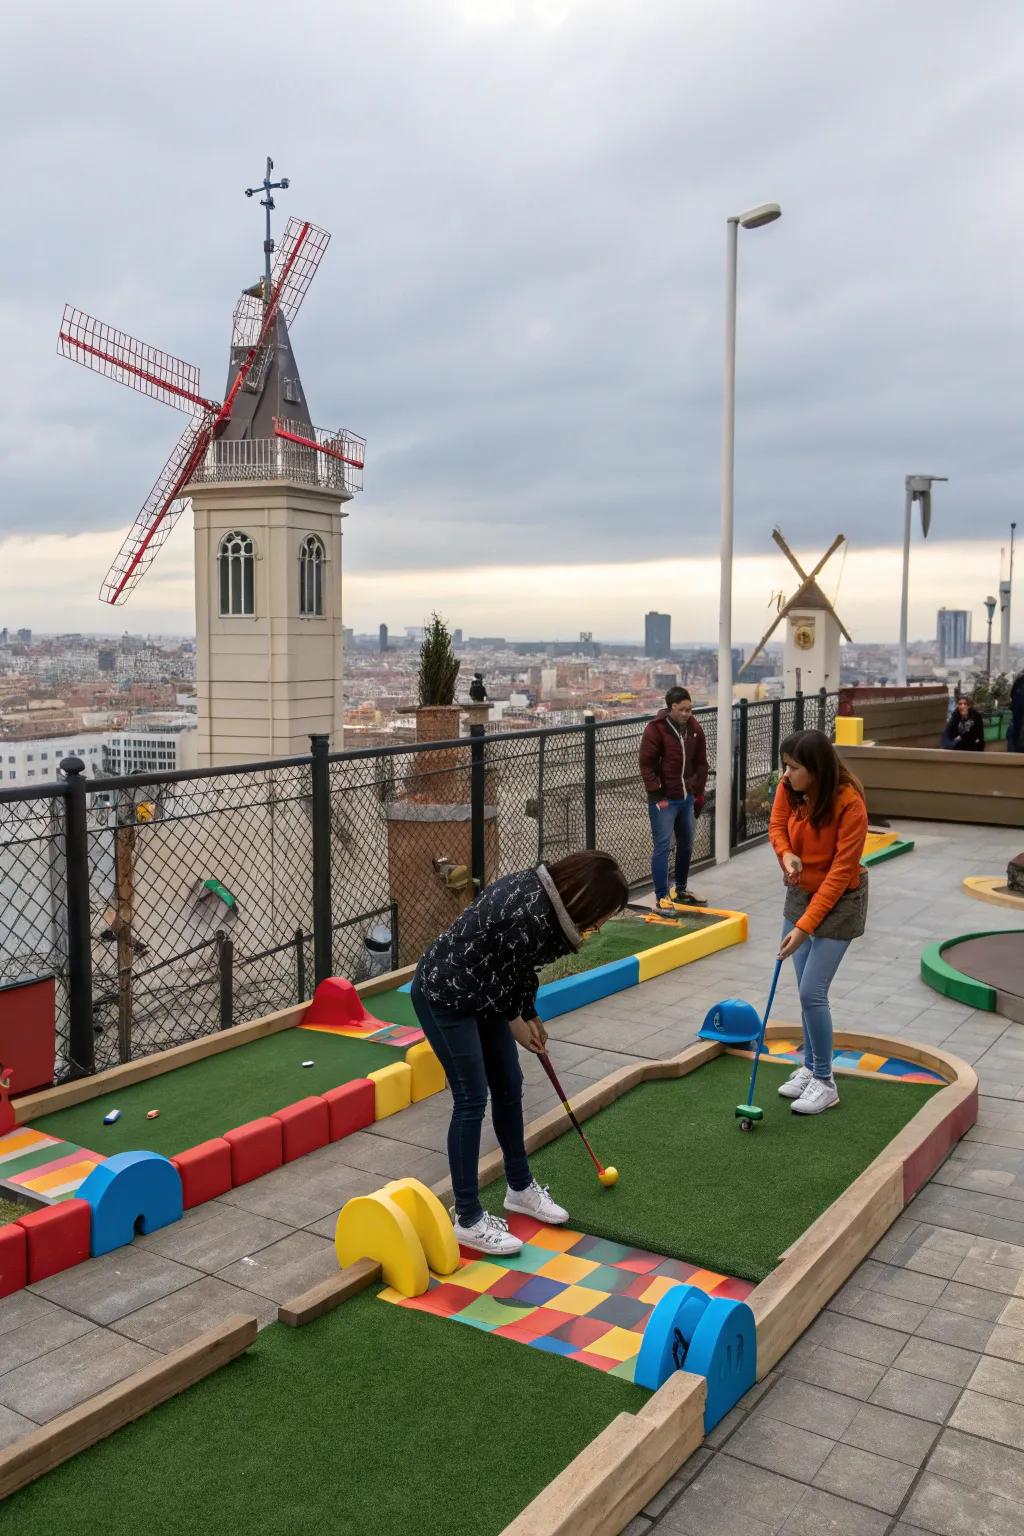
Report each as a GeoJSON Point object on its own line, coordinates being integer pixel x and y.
{"type": "Point", "coordinates": [268, 189]}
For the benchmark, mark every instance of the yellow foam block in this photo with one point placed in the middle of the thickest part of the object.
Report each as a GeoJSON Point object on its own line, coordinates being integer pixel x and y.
{"type": "Point", "coordinates": [849, 730]}
{"type": "Point", "coordinates": [692, 946]}
{"type": "Point", "coordinates": [874, 842]}
{"type": "Point", "coordinates": [430, 1220]}
{"type": "Point", "coordinates": [578, 1300]}
{"type": "Point", "coordinates": [375, 1227]}
{"type": "Point", "coordinates": [617, 1344]}
{"type": "Point", "coordinates": [567, 1269]}
{"type": "Point", "coordinates": [392, 1089]}
{"type": "Point", "coordinates": [427, 1072]}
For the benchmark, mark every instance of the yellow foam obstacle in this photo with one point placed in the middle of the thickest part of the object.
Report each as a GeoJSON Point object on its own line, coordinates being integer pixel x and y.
{"type": "Point", "coordinates": [405, 1229]}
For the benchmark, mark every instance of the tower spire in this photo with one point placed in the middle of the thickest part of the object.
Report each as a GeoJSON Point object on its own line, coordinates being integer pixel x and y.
{"type": "Point", "coordinates": [268, 188]}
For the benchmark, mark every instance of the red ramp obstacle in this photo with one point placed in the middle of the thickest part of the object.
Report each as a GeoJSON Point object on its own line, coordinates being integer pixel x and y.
{"type": "Point", "coordinates": [338, 1009]}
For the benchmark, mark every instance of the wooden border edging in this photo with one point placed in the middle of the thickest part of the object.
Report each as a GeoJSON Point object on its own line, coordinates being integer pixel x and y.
{"type": "Point", "coordinates": [99, 1416]}
{"type": "Point", "coordinates": [328, 1294]}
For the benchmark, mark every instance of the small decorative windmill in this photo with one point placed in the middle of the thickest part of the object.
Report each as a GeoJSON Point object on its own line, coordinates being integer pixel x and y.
{"type": "Point", "coordinates": [811, 656]}
{"type": "Point", "coordinates": [264, 398]}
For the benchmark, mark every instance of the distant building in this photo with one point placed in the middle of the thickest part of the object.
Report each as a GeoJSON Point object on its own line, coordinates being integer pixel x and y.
{"type": "Point", "coordinates": [382, 643]}
{"type": "Point", "coordinates": [953, 632]}
{"type": "Point", "coordinates": [25, 636]}
{"type": "Point", "coordinates": [106, 661]}
{"type": "Point", "coordinates": [657, 634]}
{"type": "Point", "coordinates": [157, 743]}
{"type": "Point", "coordinates": [36, 762]}
{"type": "Point", "coordinates": [457, 637]}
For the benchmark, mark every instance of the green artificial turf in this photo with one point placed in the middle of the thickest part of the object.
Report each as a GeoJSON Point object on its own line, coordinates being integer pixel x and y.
{"type": "Point", "coordinates": [10, 1211]}
{"type": "Point", "coordinates": [209, 1097]}
{"type": "Point", "coordinates": [622, 937]}
{"type": "Point", "coordinates": [393, 1007]}
{"type": "Point", "coordinates": [693, 1186]}
{"type": "Point", "coordinates": [374, 1421]}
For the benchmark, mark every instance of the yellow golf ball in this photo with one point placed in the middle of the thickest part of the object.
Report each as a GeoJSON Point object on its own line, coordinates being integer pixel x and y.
{"type": "Point", "coordinates": [609, 1177]}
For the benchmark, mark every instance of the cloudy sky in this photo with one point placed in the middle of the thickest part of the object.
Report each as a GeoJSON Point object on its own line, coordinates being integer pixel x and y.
{"type": "Point", "coordinates": [522, 304]}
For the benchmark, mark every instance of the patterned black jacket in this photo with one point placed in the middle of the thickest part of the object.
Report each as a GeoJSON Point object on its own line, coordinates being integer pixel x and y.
{"type": "Point", "coordinates": [487, 961]}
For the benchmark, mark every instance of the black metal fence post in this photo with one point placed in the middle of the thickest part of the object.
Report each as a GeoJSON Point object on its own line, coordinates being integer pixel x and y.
{"type": "Point", "coordinates": [300, 964]}
{"type": "Point", "coordinates": [776, 732]}
{"type": "Point", "coordinates": [81, 1039]}
{"type": "Point", "coordinates": [226, 973]}
{"type": "Point", "coordinates": [740, 780]}
{"type": "Point", "coordinates": [589, 780]}
{"type": "Point", "coordinates": [798, 712]}
{"type": "Point", "coordinates": [477, 806]}
{"type": "Point", "coordinates": [323, 959]}
{"type": "Point", "coordinates": [822, 708]}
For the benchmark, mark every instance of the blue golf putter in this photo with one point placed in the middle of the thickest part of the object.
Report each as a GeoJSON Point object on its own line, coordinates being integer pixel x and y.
{"type": "Point", "coordinates": [748, 1114]}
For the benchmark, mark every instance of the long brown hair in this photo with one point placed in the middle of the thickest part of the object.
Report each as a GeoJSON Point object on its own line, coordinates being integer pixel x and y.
{"type": "Point", "coordinates": [813, 751]}
{"type": "Point", "coordinates": [591, 885]}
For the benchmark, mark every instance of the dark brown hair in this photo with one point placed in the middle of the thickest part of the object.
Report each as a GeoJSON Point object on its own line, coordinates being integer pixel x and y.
{"type": "Point", "coordinates": [813, 750]}
{"type": "Point", "coordinates": [677, 695]}
{"type": "Point", "coordinates": [591, 885]}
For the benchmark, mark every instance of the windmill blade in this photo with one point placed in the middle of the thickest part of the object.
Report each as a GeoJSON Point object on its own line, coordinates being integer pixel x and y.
{"type": "Point", "coordinates": [759, 647]}
{"type": "Point", "coordinates": [159, 513]}
{"type": "Point", "coordinates": [295, 264]}
{"type": "Point", "coordinates": [118, 356]}
{"type": "Point", "coordinates": [345, 447]}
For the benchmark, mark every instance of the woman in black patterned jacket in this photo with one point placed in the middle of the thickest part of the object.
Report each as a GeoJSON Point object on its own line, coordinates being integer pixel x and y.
{"type": "Point", "coordinates": [475, 993]}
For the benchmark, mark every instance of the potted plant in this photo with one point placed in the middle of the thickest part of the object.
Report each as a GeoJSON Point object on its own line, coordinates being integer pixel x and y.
{"type": "Point", "coordinates": [437, 715]}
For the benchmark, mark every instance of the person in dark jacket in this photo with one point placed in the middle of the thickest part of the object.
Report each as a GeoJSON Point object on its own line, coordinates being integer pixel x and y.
{"type": "Point", "coordinates": [965, 729]}
{"type": "Point", "coordinates": [1015, 736]}
{"type": "Point", "coordinates": [475, 996]}
{"type": "Point", "coordinates": [674, 769]}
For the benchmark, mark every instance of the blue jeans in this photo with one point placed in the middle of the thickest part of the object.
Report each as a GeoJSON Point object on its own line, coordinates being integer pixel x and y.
{"type": "Point", "coordinates": [677, 817]}
{"type": "Point", "coordinates": [477, 1055]}
{"type": "Point", "coordinates": [816, 963]}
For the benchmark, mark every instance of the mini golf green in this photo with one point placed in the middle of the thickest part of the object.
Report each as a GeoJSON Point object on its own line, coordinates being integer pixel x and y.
{"type": "Point", "coordinates": [211, 1096]}
{"type": "Point", "coordinates": [10, 1211]}
{"type": "Point", "coordinates": [693, 1186]}
{"type": "Point", "coordinates": [373, 1421]}
{"type": "Point", "coordinates": [622, 937]}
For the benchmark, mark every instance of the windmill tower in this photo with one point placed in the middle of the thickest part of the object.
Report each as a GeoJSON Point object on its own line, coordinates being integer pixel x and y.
{"type": "Point", "coordinates": [813, 628]}
{"type": "Point", "coordinates": [267, 489]}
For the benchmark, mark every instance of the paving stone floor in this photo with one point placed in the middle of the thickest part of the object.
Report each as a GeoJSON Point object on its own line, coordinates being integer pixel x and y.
{"type": "Point", "coordinates": [899, 1411]}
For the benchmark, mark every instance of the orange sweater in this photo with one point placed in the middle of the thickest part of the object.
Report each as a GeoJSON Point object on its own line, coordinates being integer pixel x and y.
{"type": "Point", "coordinates": [830, 853]}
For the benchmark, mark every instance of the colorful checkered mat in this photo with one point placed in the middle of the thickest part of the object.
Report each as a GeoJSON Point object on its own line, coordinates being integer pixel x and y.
{"type": "Point", "coordinates": [859, 1061]}
{"type": "Point", "coordinates": [569, 1294]}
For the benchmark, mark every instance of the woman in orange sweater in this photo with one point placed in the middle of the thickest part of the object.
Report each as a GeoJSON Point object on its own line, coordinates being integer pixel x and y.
{"type": "Point", "coordinates": [818, 823]}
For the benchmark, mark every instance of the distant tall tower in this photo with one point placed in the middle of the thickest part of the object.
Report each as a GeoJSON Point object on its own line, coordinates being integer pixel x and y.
{"type": "Point", "coordinates": [658, 634]}
{"type": "Point", "coordinates": [267, 489]}
{"type": "Point", "coordinates": [953, 633]}
{"type": "Point", "coordinates": [382, 643]}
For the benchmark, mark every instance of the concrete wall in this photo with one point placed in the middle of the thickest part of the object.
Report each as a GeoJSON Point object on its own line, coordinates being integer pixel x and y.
{"type": "Point", "coordinates": [909, 722]}
{"type": "Point", "coordinates": [935, 785]}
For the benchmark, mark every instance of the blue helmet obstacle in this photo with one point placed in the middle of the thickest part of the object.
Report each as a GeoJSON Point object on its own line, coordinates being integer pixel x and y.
{"type": "Point", "coordinates": [731, 1022]}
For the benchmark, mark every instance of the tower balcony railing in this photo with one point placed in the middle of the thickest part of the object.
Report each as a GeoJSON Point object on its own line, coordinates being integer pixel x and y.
{"type": "Point", "coordinates": [277, 458]}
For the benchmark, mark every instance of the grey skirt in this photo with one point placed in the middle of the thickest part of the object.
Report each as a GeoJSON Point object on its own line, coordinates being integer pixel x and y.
{"type": "Point", "coordinates": [847, 919]}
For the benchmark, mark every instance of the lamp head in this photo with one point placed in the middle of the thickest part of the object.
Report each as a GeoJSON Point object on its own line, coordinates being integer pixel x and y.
{"type": "Point", "coordinates": [990, 605]}
{"type": "Point", "coordinates": [764, 213]}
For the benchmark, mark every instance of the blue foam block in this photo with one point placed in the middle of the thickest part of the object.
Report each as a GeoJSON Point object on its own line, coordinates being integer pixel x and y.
{"type": "Point", "coordinates": [708, 1335]}
{"type": "Point", "coordinates": [131, 1192]}
{"type": "Point", "coordinates": [558, 997]}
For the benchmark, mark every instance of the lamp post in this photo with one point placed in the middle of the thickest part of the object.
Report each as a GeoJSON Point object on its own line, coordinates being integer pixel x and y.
{"type": "Point", "coordinates": [919, 488]}
{"type": "Point", "coordinates": [990, 608]}
{"type": "Point", "coordinates": [754, 218]}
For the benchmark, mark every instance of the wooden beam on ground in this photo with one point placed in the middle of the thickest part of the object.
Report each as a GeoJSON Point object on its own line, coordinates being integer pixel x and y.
{"type": "Point", "coordinates": [328, 1294]}
{"type": "Point", "coordinates": [99, 1416]}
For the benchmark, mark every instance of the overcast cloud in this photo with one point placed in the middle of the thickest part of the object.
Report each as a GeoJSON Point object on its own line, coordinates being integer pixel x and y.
{"type": "Point", "coordinates": [522, 304]}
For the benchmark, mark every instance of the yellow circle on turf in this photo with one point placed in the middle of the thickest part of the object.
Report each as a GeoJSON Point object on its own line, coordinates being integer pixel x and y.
{"type": "Point", "coordinates": [609, 1177]}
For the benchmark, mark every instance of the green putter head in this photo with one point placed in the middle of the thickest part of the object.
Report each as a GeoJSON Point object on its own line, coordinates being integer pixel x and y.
{"type": "Point", "coordinates": [748, 1112]}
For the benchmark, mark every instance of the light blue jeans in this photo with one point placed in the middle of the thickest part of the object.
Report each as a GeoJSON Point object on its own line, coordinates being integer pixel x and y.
{"type": "Point", "coordinates": [816, 963]}
{"type": "Point", "coordinates": [677, 817]}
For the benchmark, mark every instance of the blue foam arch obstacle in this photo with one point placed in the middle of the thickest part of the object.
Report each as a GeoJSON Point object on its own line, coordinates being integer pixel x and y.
{"type": "Point", "coordinates": [732, 1022]}
{"type": "Point", "coordinates": [131, 1192]}
{"type": "Point", "coordinates": [708, 1335]}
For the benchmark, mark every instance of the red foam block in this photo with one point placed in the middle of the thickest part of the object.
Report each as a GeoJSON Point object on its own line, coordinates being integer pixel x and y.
{"type": "Point", "coordinates": [335, 1001]}
{"type": "Point", "coordinates": [13, 1259]}
{"type": "Point", "coordinates": [56, 1238]}
{"type": "Point", "coordinates": [351, 1106]}
{"type": "Point", "coordinates": [256, 1149]}
{"type": "Point", "coordinates": [304, 1127]}
{"type": "Point", "coordinates": [205, 1171]}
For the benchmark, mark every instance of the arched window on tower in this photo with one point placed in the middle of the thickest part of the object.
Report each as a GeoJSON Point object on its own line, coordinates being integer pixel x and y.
{"type": "Point", "coordinates": [237, 561]}
{"type": "Point", "coordinates": [311, 577]}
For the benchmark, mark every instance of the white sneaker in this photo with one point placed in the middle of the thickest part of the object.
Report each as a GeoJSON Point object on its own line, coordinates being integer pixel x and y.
{"type": "Point", "coordinates": [818, 1095]}
{"type": "Point", "coordinates": [489, 1235]}
{"type": "Point", "coordinates": [795, 1084]}
{"type": "Point", "coordinates": [536, 1201]}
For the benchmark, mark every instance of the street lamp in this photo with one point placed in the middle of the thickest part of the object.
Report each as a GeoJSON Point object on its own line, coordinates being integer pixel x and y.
{"type": "Point", "coordinates": [990, 608]}
{"type": "Point", "coordinates": [919, 488]}
{"type": "Point", "coordinates": [754, 218]}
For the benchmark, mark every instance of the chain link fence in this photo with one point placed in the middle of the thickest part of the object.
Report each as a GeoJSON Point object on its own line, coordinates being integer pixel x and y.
{"type": "Point", "coordinates": [169, 908]}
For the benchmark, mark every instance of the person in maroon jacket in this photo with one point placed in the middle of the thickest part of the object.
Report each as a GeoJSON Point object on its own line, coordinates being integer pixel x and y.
{"type": "Point", "coordinates": [674, 769]}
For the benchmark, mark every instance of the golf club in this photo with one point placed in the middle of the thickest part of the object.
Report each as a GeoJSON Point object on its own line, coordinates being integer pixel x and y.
{"type": "Point", "coordinates": [608, 1176]}
{"type": "Point", "coordinates": [748, 1113]}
